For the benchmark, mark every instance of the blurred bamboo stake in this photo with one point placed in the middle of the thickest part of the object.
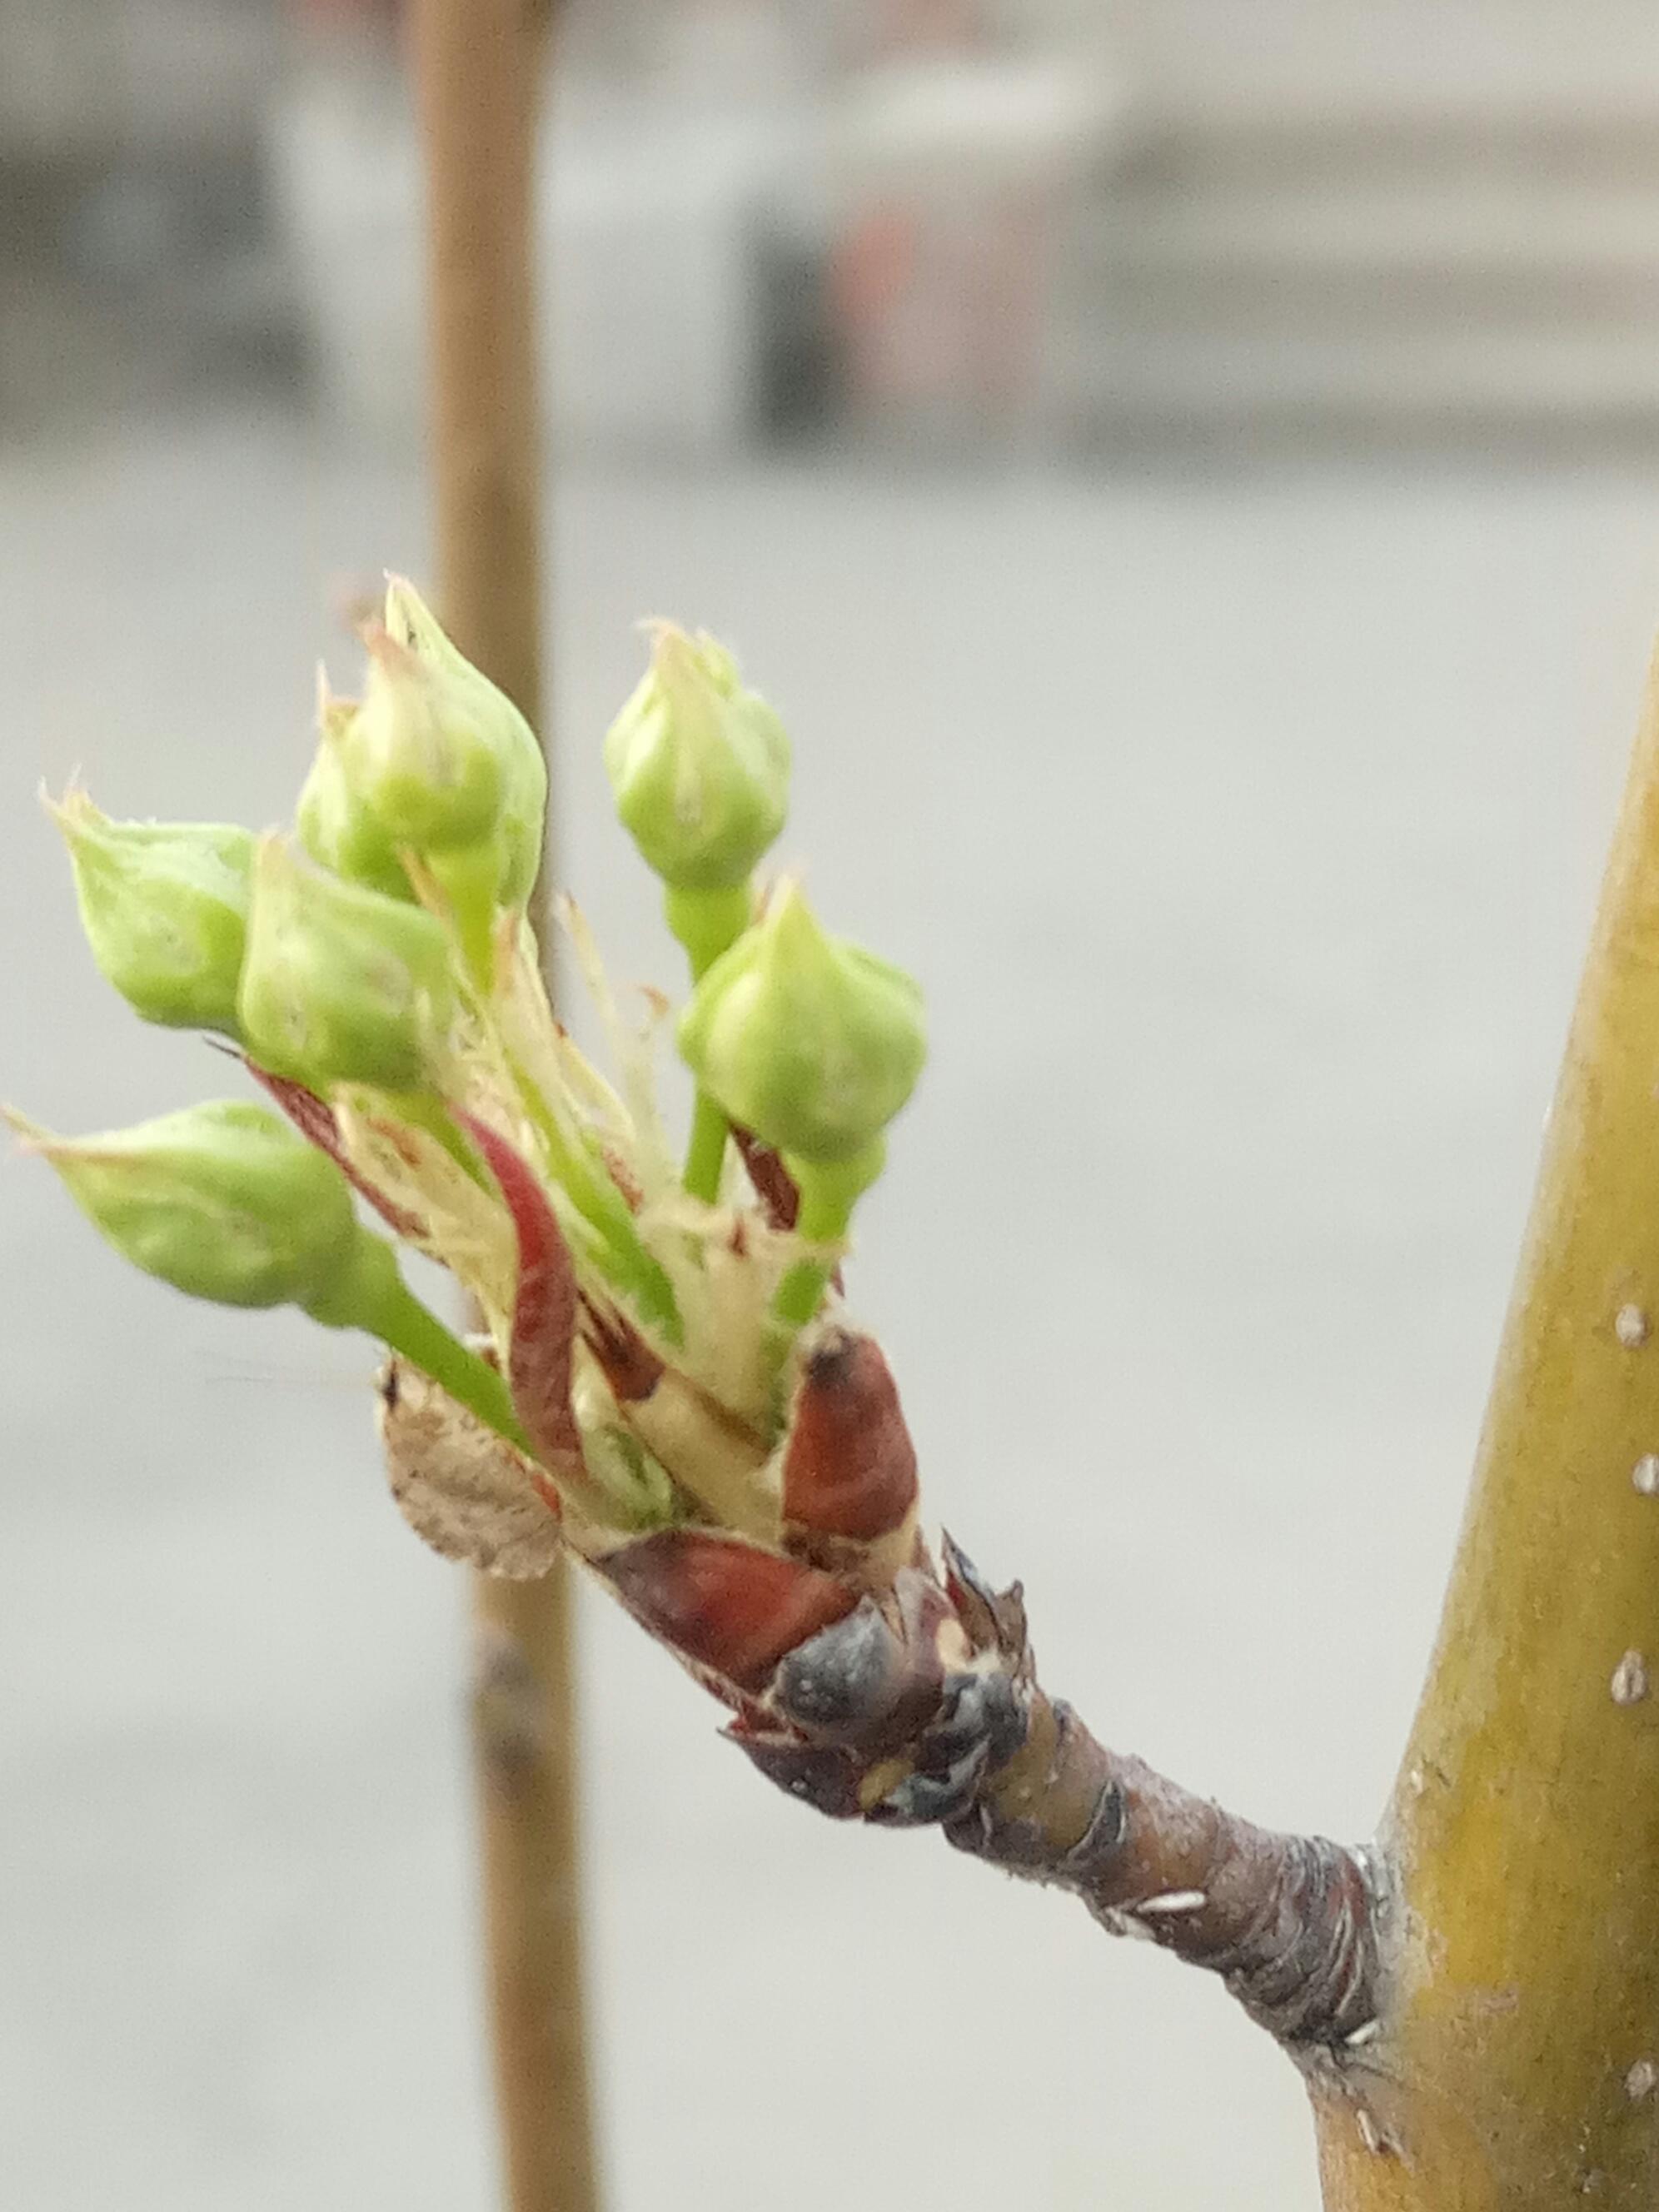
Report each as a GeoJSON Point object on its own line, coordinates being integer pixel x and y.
{"type": "Point", "coordinates": [1519, 2067]}
{"type": "Point", "coordinates": [478, 67]}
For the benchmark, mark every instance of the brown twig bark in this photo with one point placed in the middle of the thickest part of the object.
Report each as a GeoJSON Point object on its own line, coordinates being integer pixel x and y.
{"type": "Point", "coordinates": [1288, 1922]}
{"type": "Point", "coordinates": [1474, 2003]}
{"type": "Point", "coordinates": [478, 67]}
{"type": "Point", "coordinates": [923, 1706]}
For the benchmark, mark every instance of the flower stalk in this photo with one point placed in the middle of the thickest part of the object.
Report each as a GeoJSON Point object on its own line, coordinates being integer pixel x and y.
{"type": "Point", "coordinates": [384, 1307]}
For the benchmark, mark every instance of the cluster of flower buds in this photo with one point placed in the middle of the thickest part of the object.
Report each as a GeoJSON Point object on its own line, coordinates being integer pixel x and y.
{"type": "Point", "coordinates": [669, 1385]}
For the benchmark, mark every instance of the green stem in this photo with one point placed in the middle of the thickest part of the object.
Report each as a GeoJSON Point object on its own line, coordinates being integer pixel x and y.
{"type": "Point", "coordinates": [422, 1340]}
{"type": "Point", "coordinates": [707, 923]}
{"type": "Point", "coordinates": [375, 1298]}
{"type": "Point", "coordinates": [823, 1220]}
{"type": "Point", "coordinates": [829, 1192]}
{"type": "Point", "coordinates": [705, 1155]}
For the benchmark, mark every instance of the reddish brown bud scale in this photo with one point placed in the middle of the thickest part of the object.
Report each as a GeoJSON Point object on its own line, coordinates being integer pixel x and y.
{"type": "Point", "coordinates": [314, 1117]}
{"type": "Point", "coordinates": [849, 1468]}
{"type": "Point", "coordinates": [627, 1361]}
{"type": "Point", "coordinates": [722, 1604]}
{"type": "Point", "coordinates": [544, 1304]}
{"type": "Point", "coordinates": [774, 1186]}
{"type": "Point", "coordinates": [994, 1619]}
{"type": "Point", "coordinates": [823, 1775]}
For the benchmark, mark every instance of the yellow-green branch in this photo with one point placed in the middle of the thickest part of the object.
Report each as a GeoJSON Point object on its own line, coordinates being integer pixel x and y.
{"type": "Point", "coordinates": [1520, 2063]}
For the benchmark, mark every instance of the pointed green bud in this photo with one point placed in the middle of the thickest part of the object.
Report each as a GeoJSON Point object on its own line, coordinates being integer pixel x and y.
{"type": "Point", "coordinates": [224, 1201]}
{"type": "Point", "coordinates": [331, 822]}
{"type": "Point", "coordinates": [340, 984]}
{"type": "Point", "coordinates": [440, 756]}
{"type": "Point", "coordinates": [420, 752]}
{"type": "Point", "coordinates": [228, 1202]}
{"type": "Point", "coordinates": [810, 1041]}
{"type": "Point", "coordinates": [164, 905]}
{"type": "Point", "coordinates": [523, 823]}
{"type": "Point", "coordinates": [700, 766]}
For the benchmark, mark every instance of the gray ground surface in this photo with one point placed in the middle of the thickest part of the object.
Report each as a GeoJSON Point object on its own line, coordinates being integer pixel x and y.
{"type": "Point", "coordinates": [1244, 832]}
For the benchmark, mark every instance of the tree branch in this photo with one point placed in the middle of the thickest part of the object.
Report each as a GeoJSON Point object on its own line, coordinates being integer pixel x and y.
{"type": "Point", "coordinates": [1520, 2069]}
{"type": "Point", "coordinates": [929, 1711]}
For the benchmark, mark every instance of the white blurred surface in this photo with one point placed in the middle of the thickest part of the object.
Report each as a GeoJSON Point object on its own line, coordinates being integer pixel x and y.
{"type": "Point", "coordinates": [1244, 832]}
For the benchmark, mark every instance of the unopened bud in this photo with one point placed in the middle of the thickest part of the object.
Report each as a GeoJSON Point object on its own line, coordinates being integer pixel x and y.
{"type": "Point", "coordinates": [331, 822]}
{"type": "Point", "coordinates": [849, 1468]}
{"type": "Point", "coordinates": [811, 1043]}
{"type": "Point", "coordinates": [164, 906]}
{"type": "Point", "coordinates": [441, 755]}
{"type": "Point", "coordinates": [417, 752]}
{"type": "Point", "coordinates": [340, 984]}
{"type": "Point", "coordinates": [523, 826]}
{"type": "Point", "coordinates": [723, 1603]}
{"type": "Point", "coordinates": [223, 1201]}
{"type": "Point", "coordinates": [700, 766]}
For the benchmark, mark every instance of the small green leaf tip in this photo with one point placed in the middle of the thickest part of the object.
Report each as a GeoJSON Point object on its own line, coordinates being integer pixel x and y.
{"type": "Point", "coordinates": [340, 984]}
{"type": "Point", "coordinates": [223, 1201]}
{"type": "Point", "coordinates": [700, 766]}
{"type": "Point", "coordinates": [164, 905]}
{"type": "Point", "coordinates": [811, 1042]}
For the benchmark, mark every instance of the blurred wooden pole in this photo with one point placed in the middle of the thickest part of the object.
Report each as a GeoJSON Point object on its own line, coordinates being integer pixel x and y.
{"type": "Point", "coordinates": [478, 69]}
{"type": "Point", "coordinates": [478, 66]}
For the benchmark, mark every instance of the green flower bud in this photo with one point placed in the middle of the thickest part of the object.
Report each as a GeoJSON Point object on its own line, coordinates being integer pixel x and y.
{"type": "Point", "coordinates": [437, 759]}
{"type": "Point", "coordinates": [420, 752]}
{"type": "Point", "coordinates": [224, 1201]}
{"type": "Point", "coordinates": [228, 1202]}
{"type": "Point", "coordinates": [340, 984]}
{"type": "Point", "coordinates": [439, 755]}
{"type": "Point", "coordinates": [523, 823]}
{"type": "Point", "coordinates": [333, 826]}
{"type": "Point", "coordinates": [523, 826]}
{"type": "Point", "coordinates": [700, 767]}
{"type": "Point", "coordinates": [810, 1041]}
{"type": "Point", "coordinates": [164, 905]}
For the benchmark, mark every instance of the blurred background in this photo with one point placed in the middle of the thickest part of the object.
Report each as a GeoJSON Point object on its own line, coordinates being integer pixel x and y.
{"type": "Point", "coordinates": [1190, 476]}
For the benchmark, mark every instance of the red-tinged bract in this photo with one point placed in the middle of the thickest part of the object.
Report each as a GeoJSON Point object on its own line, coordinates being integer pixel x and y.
{"type": "Point", "coordinates": [543, 1306]}
{"type": "Point", "coordinates": [314, 1117]}
{"type": "Point", "coordinates": [849, 1467]}
{"type": "Point", "coordinates": [725, 1606]}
